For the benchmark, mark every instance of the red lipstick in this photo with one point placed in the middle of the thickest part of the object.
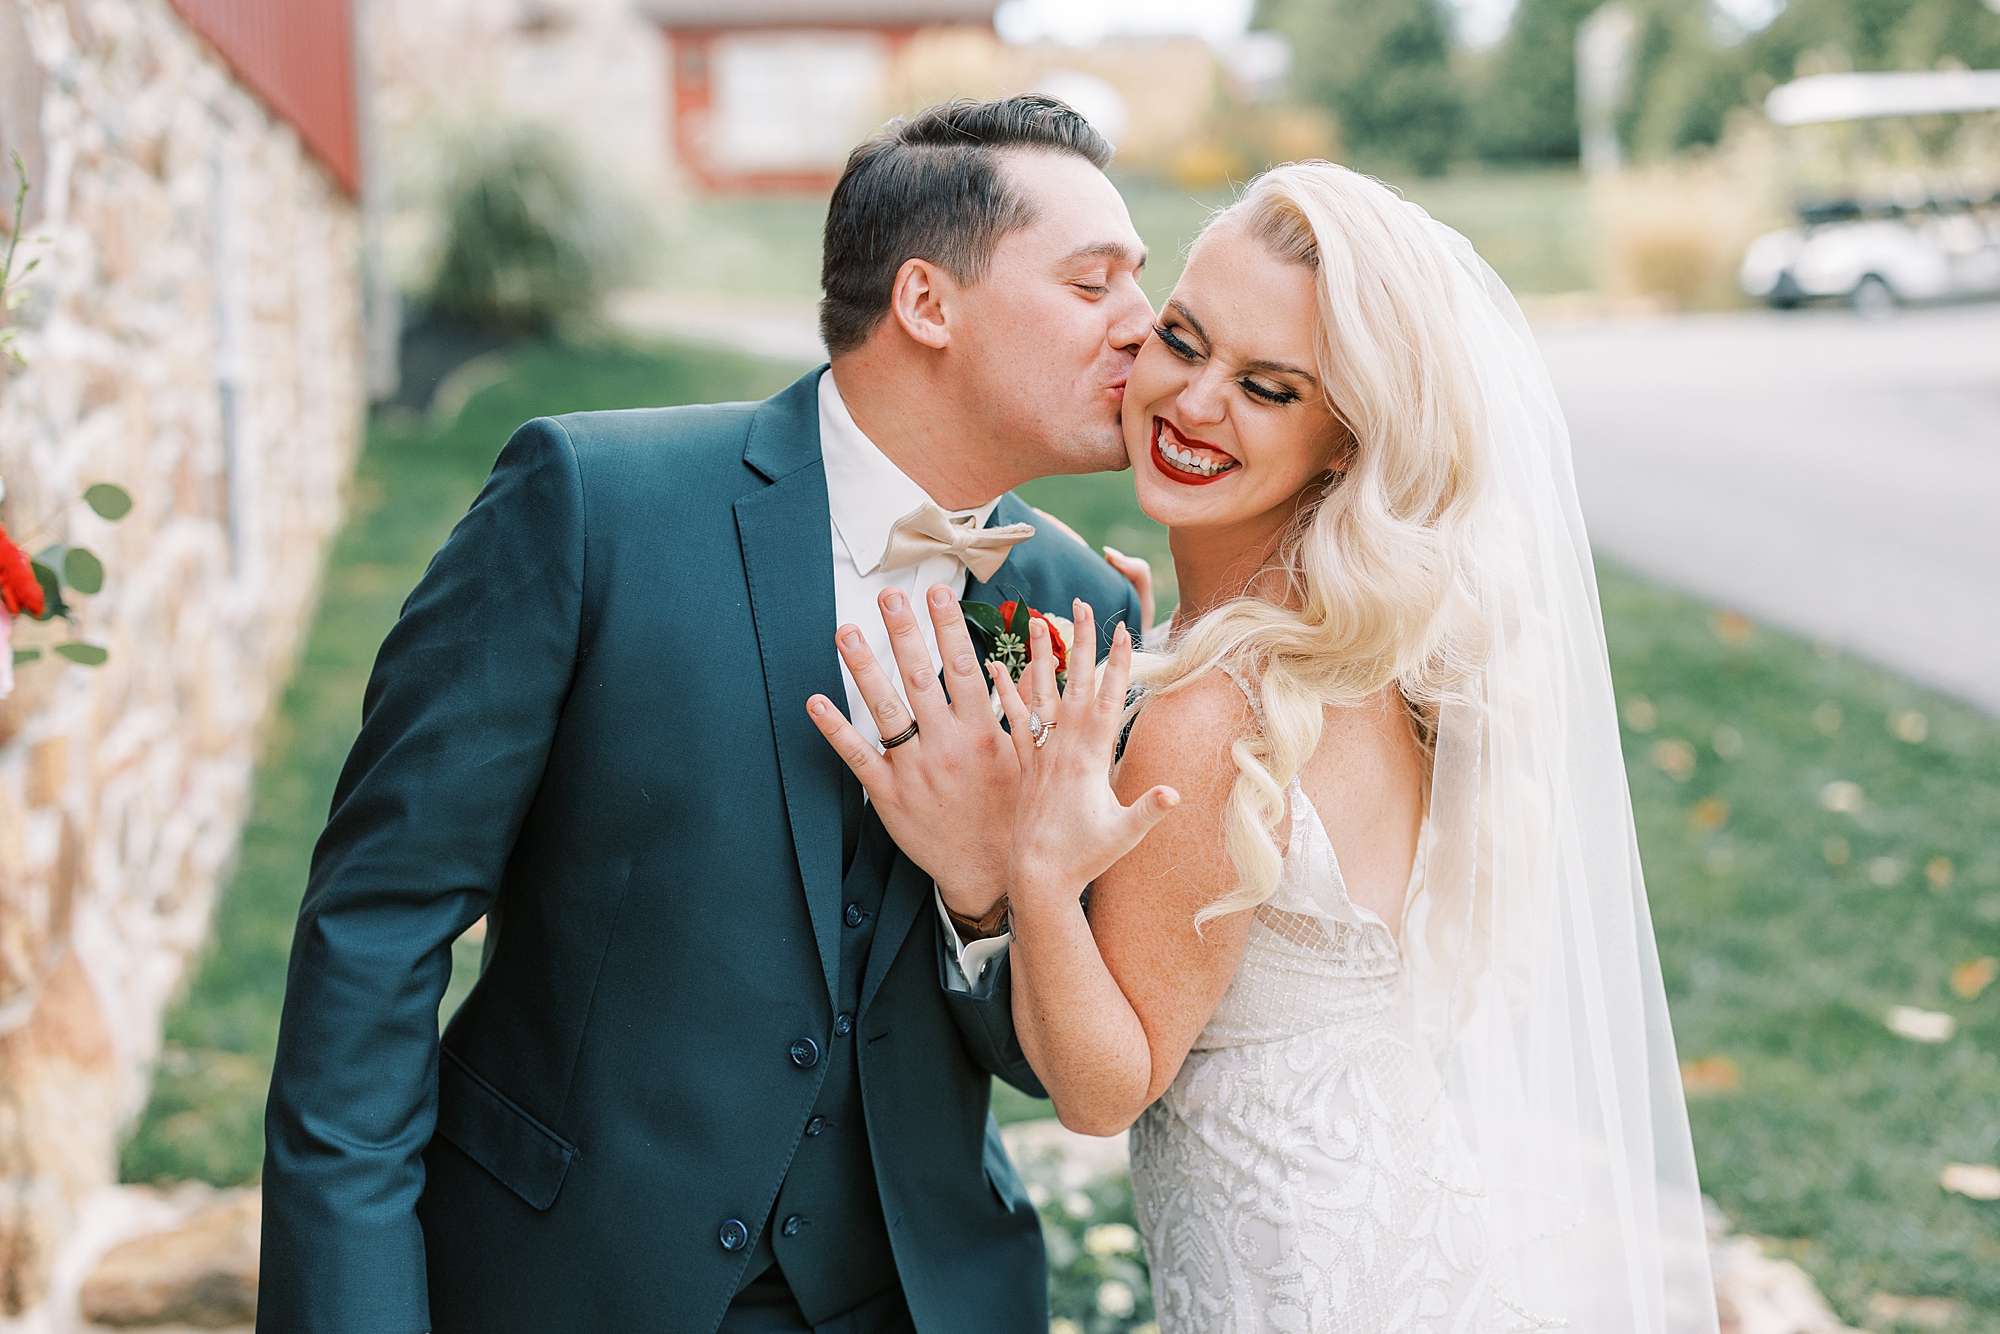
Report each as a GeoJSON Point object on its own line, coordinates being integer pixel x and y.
{"type": "Point", "coordinates": [1161, 426]}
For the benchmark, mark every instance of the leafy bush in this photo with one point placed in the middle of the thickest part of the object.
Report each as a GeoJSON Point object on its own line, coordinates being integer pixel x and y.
{"type": "Point", "coordinates": [531, 237]}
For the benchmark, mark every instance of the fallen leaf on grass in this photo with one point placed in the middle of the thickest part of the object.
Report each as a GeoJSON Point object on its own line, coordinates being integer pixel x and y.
{"type": "Point", "coordinates": [1975, 1181]}
{"type": "Point", "coordinates": [1675, 759]}
{"type": "Point", "coordinates": [1907, 1021]}
{"type": "Point", "coordinates": [1640, 714]}
{"type": "Point", "coordinates": [1938, 871]}
{"type": "Point", "coordinates": [1974, 976]}
{"type": "Point", "coordinates": [1709, 1075]}
{"type": "Point", "coordinates": [1835, 850]}
{"type": "Point", "coordinates": [1709, 813]}
{"type": "Point", "coordinates": [1732, 627]}
{"type": "Point", "coordinates": [1923, 1312]}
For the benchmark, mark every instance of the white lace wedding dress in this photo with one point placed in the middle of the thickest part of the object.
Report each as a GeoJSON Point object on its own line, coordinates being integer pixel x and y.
{"type": "Point", "coordinates": [1300, 1175]}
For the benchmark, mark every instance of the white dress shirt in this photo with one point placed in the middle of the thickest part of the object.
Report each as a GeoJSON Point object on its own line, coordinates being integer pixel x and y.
{"type": "Point", "coordinates": [866, 494]}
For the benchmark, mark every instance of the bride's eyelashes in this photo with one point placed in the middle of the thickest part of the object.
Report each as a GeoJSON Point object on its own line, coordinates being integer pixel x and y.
{"type": "Point", "coordinates": [1186, 351]}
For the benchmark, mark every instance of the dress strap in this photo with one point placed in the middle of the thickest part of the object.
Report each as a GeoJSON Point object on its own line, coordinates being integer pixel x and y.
{"type": "Point", "coordinates": [1249, 693]}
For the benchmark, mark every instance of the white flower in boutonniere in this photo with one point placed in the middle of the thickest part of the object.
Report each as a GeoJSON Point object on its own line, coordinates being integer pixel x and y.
{"type": "Point", "coordinates": [1005, 631]}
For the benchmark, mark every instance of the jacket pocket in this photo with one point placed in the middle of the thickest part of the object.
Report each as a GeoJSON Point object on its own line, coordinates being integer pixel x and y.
{"type": "Point", "coordinates": [524, 1155]}
{"type": "Point", "coordinates": [1001, 1177]}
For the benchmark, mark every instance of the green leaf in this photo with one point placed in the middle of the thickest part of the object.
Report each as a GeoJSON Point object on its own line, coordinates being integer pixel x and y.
{"type": "Point", "coordinates": [52, 599]}
{"type": "Point", "coordinates": [108, 501]}
{"type": "Point", "coordinates": [82, 571]}
{"type": "Point", "coordinates": [982, 616]}
{"type": "Point", "coordinates": [87, 655]}
{"type": "Point", "coordinates": [22, 655]}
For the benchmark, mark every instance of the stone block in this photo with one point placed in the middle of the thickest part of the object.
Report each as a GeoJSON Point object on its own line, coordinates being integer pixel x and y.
{"type": "Point", "coordinates": [201, 1274]}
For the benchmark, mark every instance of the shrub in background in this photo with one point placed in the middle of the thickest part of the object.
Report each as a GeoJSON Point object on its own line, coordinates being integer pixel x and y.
{"type": "Point", "coordinates": [531, 237]}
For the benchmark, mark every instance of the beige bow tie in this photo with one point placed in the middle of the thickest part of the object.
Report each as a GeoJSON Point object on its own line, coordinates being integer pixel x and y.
{"type": "Point", "coordinates": [928, 531]}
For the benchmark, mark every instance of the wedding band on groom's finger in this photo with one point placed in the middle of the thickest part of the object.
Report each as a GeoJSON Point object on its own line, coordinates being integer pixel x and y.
{"type": "Point", "coordinates": [889, 743]}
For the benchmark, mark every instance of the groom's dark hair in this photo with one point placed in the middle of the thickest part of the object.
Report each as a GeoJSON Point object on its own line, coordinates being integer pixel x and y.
{"type": "Point", "coordinates": [931, 186]}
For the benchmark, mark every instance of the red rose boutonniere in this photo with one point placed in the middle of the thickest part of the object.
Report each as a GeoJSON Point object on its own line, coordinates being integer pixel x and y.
{"type": "Point", "coordinates": [19, 589]}
{"type": "Point", "coordinates": [1005, 630]}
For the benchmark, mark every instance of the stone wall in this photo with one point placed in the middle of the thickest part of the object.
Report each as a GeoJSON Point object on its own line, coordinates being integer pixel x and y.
{"type": "Point", "coordinates": [194, 334]}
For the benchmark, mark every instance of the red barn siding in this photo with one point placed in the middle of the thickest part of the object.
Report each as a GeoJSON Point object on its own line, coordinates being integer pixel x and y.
{"type": "Point", "coordinates": [298, 56]}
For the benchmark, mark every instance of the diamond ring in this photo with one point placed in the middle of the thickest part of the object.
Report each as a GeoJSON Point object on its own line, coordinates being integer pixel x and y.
{"type": "Point", "coordinates": [1039, 729]}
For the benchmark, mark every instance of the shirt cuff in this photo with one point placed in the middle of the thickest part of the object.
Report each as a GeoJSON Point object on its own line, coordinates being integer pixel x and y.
{"type": "Point", "coordinates": [969, 967]}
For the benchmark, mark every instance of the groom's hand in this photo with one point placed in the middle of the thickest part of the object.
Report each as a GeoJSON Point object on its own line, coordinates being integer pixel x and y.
{"type": "Point", "coordinates": [947, 794]}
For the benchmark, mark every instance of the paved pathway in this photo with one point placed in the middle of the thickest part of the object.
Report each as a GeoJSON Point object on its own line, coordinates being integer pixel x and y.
{"type": "Point", "coordinates": [1835, 476]}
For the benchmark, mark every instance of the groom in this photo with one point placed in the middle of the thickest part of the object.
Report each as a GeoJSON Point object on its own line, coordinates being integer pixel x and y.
{"type": "Point", "coordinates": [725, 1068]}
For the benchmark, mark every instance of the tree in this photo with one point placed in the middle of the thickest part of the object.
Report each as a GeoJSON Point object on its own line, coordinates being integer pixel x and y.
{"type": "Point", "coordinates": [1383, 67]}
{"type": "Point", "coordinates": [1878, 35]}
{"type": "Point", "coordinates": [1526, 110]}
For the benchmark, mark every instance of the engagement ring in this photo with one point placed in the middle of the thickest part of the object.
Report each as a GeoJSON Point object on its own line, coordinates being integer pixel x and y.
{"type": "Point", "coordinates": [1038, 729]}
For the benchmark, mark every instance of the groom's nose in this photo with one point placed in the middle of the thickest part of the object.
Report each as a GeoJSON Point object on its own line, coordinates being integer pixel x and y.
{"type": "Point", "coordinates": [1131, 320]}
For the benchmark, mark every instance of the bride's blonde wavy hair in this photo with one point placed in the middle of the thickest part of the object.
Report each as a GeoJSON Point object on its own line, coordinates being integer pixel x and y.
{"type": "Point", "coordinates": [1378, 567]}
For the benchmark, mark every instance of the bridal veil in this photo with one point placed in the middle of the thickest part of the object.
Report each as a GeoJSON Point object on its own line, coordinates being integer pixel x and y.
{"type": "Point", "coordinates": [1530, 946]}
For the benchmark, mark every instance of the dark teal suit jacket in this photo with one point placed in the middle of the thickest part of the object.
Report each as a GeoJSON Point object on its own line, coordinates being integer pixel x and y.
{"type": "Point", "coordinates": [590, 720]}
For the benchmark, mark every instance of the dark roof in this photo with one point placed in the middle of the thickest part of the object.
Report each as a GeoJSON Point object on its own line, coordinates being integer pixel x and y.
{"type": "Point", "coordinates": [811, 13]}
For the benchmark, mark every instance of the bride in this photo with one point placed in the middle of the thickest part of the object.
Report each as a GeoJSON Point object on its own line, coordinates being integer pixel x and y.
{"type": "Point", "coordinates": [1354, 936]}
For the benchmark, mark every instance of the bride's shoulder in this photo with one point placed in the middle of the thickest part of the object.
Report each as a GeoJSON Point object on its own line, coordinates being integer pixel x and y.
{"type": "Point", "coordinates": [1182, 737]}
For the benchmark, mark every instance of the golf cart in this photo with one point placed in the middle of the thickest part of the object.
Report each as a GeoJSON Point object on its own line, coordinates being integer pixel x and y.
{"type": "Point", "coordinates": [1899, 183]}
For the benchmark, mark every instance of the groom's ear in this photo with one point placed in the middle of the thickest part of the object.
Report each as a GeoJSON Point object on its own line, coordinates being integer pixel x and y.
{"type": "Point", "coordinates": [919, 301]}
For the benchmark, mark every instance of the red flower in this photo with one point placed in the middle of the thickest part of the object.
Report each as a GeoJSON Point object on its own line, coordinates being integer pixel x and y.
{"type": "Point", "coordinates": [1007, 610]}
{"type": "Point", "coordinates": [18, 586]}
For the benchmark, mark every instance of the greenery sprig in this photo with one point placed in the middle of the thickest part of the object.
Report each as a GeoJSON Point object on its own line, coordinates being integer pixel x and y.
{"type": "Point", "coordinates": [58, 568]}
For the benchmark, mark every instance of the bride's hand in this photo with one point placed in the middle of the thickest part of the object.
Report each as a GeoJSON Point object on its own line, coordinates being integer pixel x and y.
{"type": "Point", "coordinates": [1069, 826]}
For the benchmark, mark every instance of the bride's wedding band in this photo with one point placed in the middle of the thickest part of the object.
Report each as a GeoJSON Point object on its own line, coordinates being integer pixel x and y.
{"type": "Point", "coordinates": [891, 742]}
{"type": "Point", "coordinates": [1038, 729]}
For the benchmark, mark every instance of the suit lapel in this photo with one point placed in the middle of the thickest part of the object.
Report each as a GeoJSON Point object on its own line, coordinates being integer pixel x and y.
{"type": "Point", "coordinates": [788, 559]}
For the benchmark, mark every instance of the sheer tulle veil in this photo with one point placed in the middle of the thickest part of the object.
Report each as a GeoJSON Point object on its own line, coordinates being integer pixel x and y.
{"type": "Point", "coordinates": [1530, 946]}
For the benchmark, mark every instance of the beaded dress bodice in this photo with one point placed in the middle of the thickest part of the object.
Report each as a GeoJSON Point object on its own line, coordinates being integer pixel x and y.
{"type": "Point", "coordinates": [1298, 1175]}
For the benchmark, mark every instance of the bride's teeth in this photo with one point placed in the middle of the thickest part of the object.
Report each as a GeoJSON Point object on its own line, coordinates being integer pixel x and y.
{"type": "Point", "coordinates": [1188, 461]}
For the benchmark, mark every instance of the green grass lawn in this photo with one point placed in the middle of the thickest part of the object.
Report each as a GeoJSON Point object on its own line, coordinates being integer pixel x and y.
{"type": "Point", "coordinates": [1787, 930]}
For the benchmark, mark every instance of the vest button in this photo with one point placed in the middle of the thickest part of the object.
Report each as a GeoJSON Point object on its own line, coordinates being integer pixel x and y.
{"type": "Point", "coordinates": [805, 1053]}
{"type": "Point", "coordinates": [854, 915]}
{"type": "Point", "coordinates": [842, 1026]}
{"type": "Point", "coordinates": [733, 1236]}
{"type": "Point", "coordinates": [814, 1126]}
{"type": "Point", "coordinates": [790, 1227]}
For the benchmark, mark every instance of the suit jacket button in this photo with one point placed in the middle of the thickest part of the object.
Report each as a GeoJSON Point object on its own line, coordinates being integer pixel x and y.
{"type": "Point", "coordinates": [805, 1053]}
{"type": "Point", "coordinates": [814, 1126]}
{"type": "Point", "coordinates": [854, 915]}
{"type": "Point", "coordinates": [790, 1227]}
{"type": "Point", "coordinates": [842, 1026]}
{"type": "Point", "coordinates": [733, 1236]}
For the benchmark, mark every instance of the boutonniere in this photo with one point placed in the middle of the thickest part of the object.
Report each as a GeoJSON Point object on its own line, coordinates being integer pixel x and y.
{"type": "Point", "coordinates": [1005, 631]}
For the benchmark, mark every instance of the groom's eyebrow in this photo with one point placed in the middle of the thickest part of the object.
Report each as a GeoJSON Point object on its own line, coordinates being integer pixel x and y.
{"type": "Point", "coordinates": [1112, 250]}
